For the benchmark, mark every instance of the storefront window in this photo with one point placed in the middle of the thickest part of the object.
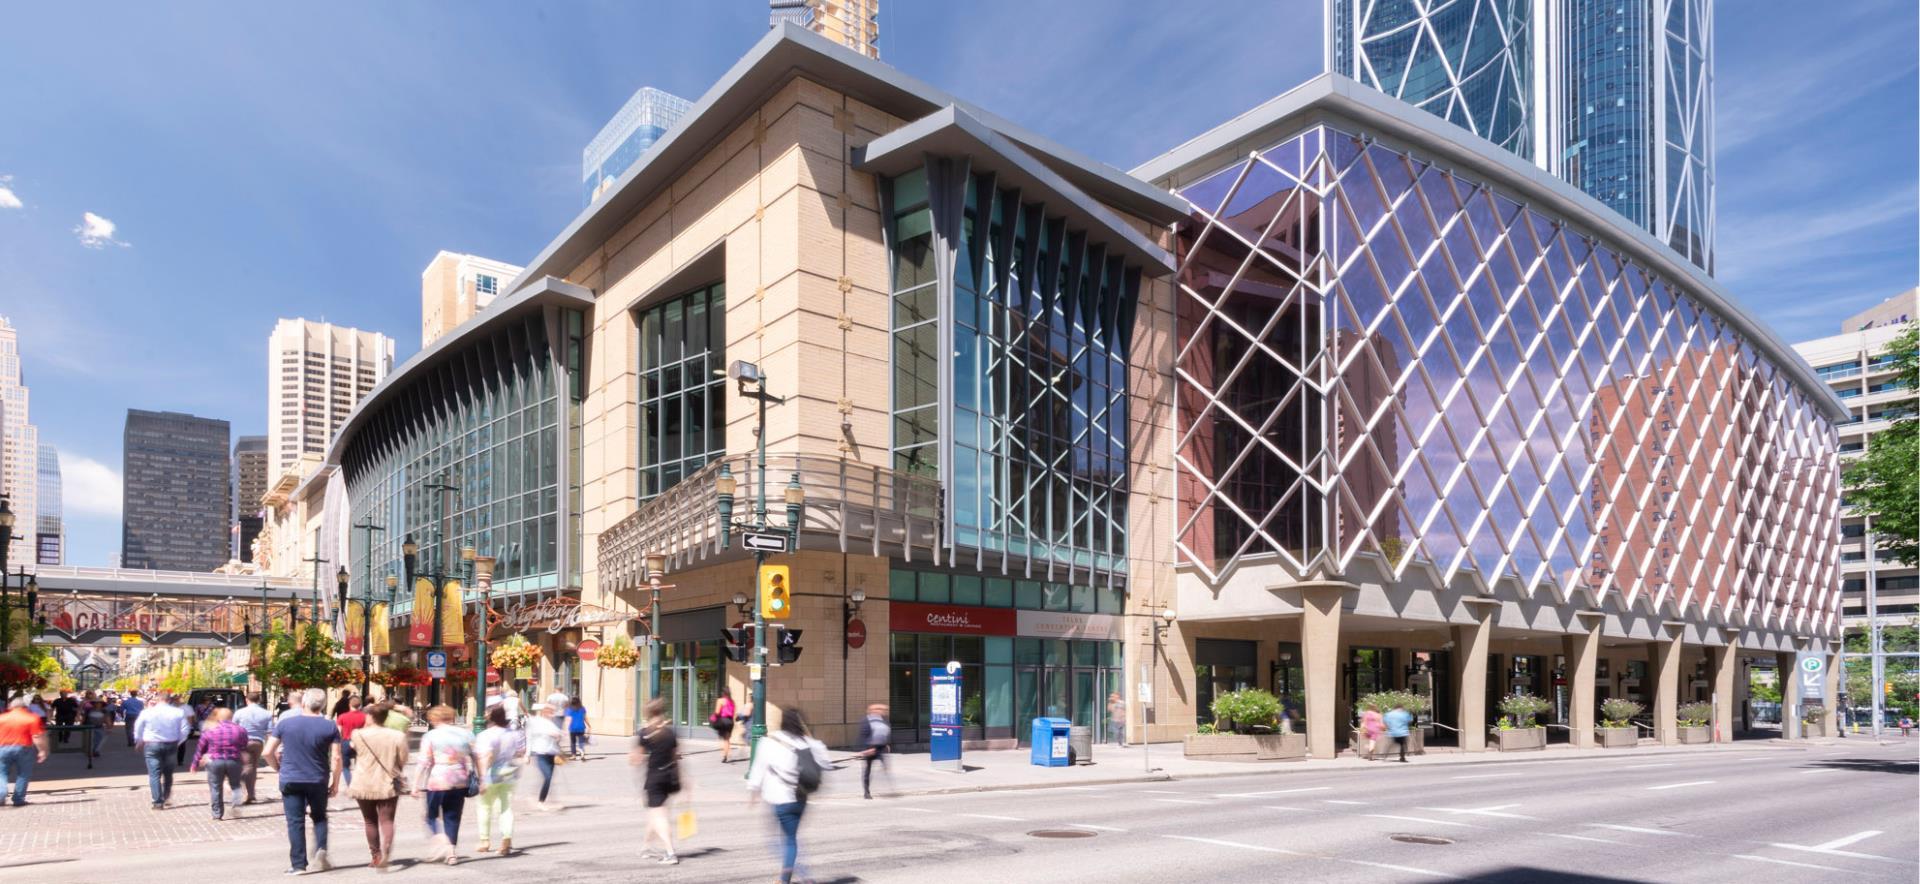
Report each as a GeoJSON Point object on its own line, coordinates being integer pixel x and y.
{"type": "Point", "coordinates": [1220, 666]}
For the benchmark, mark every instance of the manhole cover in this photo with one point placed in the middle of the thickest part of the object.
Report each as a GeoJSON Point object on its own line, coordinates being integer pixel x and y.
{"type": "Point", "coordinates": [1060, 833]}
{"type": "Point", "coordinates": [1419, 839]}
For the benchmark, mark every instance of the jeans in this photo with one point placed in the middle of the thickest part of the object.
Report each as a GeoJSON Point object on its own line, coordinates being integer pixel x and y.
{"type": "Point", "coordinates": [16, 767]}
{"type": "Point", "coordinates": [250, 767]}
{"type": "Point", "coordinates": [866, 769]}
{"type": "Point", "coordinates": [160, 765]}
{"type": "Point", "coordinates": [443, 812]}
{"type": "Point", "coordinates": [310, 800]}
{"type": "Point", "coordinates": [130, 720]}
{"type": "Point", "coordinates": [377, 815]}
{"type": "Point", "coordinates": [545, 763]}
{"type": "Point", "coordinates": [346, 762]}
{"type": "Point", "coordinates": [576, 741]}
{"type": "Point", "coordinates": [1401, 741]}
{"type": "Point", "coordinates": [99, 736]}
{"type": "Point", "coordinates": [496, 803]}
{"type": "Point", "coordinates": [788, 815]}
{"type": "Point", "coordinates": [223, 783]}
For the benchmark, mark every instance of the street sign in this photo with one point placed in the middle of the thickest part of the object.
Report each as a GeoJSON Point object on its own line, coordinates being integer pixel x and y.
{"type": "Point", "coordinates": [764, 541]}
{"type": "Point", "coordinates": [1813, 678]}
{"type": "Point", "coordinates": [943, 710]}
{"type": "Point", "coordinates": [856, 633]}
{"type": "Point", "coordinates": [130, 638]}
{"type": "Point", "coordinates": [437, 664]}
{"type": "Point", "coordinates": [588, 650]}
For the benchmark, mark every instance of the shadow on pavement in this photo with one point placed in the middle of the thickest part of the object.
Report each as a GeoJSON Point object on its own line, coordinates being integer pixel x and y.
{"type": "Point", "coordinates": [1869, 765]}
{"type": "Point", "coordinates": [1530, 875]}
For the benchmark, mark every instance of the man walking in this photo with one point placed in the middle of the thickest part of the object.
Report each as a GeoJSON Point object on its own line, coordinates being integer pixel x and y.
{"type": "Point", "coordinates": [305, 748]}
{"type": "Point", "coordinates": [66, 713]}
{"type": "Point", "coordinates": [1397, 721]}
{"type": "Point", "coordinates": [258, 722]}
{"type": "Point", "coordinates": [875, 739]}
{"type": "Point", "coordinates": [159, 733]}
{"type": "Point", "coordinates": [23, 743]}
{"type": "Point", "coordinates": [130, 712]}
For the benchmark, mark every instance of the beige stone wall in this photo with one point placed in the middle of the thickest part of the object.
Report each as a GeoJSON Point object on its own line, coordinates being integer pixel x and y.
{"type": "Point", "coordinates": [1150, 516]}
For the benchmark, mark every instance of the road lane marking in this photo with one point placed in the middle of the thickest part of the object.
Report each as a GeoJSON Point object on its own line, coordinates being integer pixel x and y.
{"type": "Point", "coordinates": [1338, 801]}
{"type": "Point", "coordinates": [989, 816]}
{"type": "Point", "coordinates": [1413, 869]}
{"type": "Point", "coordinates": [1498, 810]}
{"type": "Point", "coordinates": [1095, 828]}
{"type": "Point", "coordinates": [1820, 770]}
{"type": "Point", "coordinates": [1647, 766]}
{"type": "Point", "coordinates": [1787, 862]}
{"type": "Point", "coordinates": [1277, 792]}
{"type": "Point", "coordinates": [1581, 838]}
{"type": "Point", "coordinates": [1179, 801]}
{"type": "Point", "coordinates": [1849, 853]}
{"type": "Point", "coordinates": [1243, 846]}
{"type": "Point", "coordinates": [1641, 830]}
{"type": "Point", "coordinates": [1081, 789]}
{"type": "Point", "coordinates": [1842, 842]}
{"type": "Point", "coordinates": [1421, 819]}
{"type": "Point", "coordinates": [1279, 807]}
{"type": "Point", "coordinates": [916, 809]}
{"type": "Point", "coordinates": [1491, 776]}
{"type": "Point", "coordinates": [1681, 785]}
{"type": "Point", "coordinates": [1162, 792]}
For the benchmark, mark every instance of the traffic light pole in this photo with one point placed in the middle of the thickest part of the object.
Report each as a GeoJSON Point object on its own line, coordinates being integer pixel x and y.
{"type": "Point", "coordinates": [757, 667]}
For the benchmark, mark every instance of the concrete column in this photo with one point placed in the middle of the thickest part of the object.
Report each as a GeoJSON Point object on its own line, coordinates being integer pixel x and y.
{"type": "Point", "coordinates": [1663, 661]}
{"type": "Point", "coordinates": [1725, 665]}
{"type": "Point", "coordinates": [1583, 658]}
{"type": "Point", "coordinates": [1836, 681]}
{"type": "Point", "coordinates": [1320, 647]}
{"type": "Point", "coordinates": [1784, 670]}
{"type": "Point", "coordinates": [1470, 673]}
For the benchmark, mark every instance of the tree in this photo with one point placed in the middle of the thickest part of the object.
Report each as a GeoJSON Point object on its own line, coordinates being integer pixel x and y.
{"type": "Point", "coordinates": [1884, 484]}
{"type": "Point", "coordinates": [285, 662]}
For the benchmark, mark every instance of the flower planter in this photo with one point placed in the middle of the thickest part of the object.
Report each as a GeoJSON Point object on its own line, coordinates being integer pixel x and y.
{"type": "Point", "coordinates": [1416, 744]}
{"type": "Point", "coordinates": [1246, 747]}
{"type": "Point", "coordinates": [1700, 734]}
{"type": "Point", "coordinates": [1618, 737]}
{"type": "Point", "coordinates": [1521, 739]}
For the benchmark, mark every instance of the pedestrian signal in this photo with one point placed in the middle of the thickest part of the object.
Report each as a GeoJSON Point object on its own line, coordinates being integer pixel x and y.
{"type": "Point", "coordinates": [788, 645]}
{"type": "Point", "coordinates": [776, 597]}
{"type": "Point", "coordinates": [738, 643]}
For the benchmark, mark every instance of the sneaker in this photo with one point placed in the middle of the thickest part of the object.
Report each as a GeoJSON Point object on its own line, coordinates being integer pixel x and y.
{"type": "Point", "coordinates": [320, 861]}
{"type": "Point", "coordinates": [670, 860]}
{"type": "Point", "coordinates": [294, 872]}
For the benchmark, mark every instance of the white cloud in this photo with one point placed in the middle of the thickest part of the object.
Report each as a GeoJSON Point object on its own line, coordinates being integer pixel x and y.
{"type": "Point", "coordinates": [8, 199]}
{"type": "Point", "coordinates": [88, 487]}
{"type": "Point", "coordinates": [96, 232]}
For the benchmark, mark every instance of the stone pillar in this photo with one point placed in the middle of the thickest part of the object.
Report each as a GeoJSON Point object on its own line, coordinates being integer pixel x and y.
{"type": "Point", "coordinates": [1583, 659]}
{"type": "Point", "coordinates": [1836, 681]}
{"type": "Point", "coordinates": [1320, 605]}
{"type": "Point", "coordinates": [1725, 665]}
{"type": "Point", "coordinates": [1784, 672]}
{"type": "Point", "coordinates": [1470, 672]}
{"type": "Point", "coordinates": [1663, 663]}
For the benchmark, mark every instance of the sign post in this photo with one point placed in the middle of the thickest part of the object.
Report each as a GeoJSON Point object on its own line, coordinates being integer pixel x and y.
{"type": "Point", "coordinates": [437, 663]}
{"type": "Point", "coordinates": [944, 719]}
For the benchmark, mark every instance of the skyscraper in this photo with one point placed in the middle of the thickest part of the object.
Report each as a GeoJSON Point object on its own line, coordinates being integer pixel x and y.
{"type": "Point", "coordinates": [1613, 96]}
{"type": "Point", "coordinates": [316, 373]}
{"type": "Point", "coordinates": [50, 529]}
{"type": "Point", "coordinates": [456, 286]}
{"type": "Point", "coordinates": [854, 24]}
{"type": "Point", "coordinates": [640, 122]}
{"type": "Point", "coordinates": [19, 440]}
{"type": "Point", "coordinates": [175, 506]}
{"type": "Point", "coordinates": [249, 485]}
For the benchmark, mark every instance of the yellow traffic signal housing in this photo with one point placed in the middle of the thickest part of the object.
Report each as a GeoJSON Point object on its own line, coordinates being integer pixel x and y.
{"type": "Point", "coordinates": [776, 592]}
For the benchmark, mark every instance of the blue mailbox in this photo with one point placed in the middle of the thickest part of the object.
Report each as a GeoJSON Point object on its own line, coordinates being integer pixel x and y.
{"type": "Point", "coordinates": [1050, 741]}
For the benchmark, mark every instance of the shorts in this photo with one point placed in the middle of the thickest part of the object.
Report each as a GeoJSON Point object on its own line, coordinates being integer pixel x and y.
{"type": "Point", "coordinates": [657, 797]}
{"type": "Point", "coordinates": [723, 727]}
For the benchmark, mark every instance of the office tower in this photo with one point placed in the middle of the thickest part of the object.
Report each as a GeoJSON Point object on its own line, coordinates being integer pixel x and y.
{"type": "Point", "coordinates": [316, 373]}
{"type": "Point", "coordinates": [174, 507]}
{"type": "Point", "coordinates": [19, 439]}
{"type": "Point", "coordinates": [641, 121]}
{"type": "Point", "coordinates": [50, 530]}
{"type": "Point", "coordinates": [1614, 97]}
{"type": "Point", "coordinates": [249, 486]}
{"type": "Point", "coordinates": [854, 24]}
{"type": "Point", "coordinates": [454, 287]}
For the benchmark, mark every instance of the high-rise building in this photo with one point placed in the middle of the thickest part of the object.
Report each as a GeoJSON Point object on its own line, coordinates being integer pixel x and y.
{"type": "Point", "coordinates": [1613, 96]}
{"type": "Point", "coordinates": [19, 440]}
{"type": "Point", "coordinates": [456, 286]}
{"type": "Point", "coordinates": [316, 373]}
{"type": "Point", "coordinates": [640, 122]}
{"type": "Point", "coordinates": [49, 529]}
{"type": "Point", "coordinates": [854, 24]}
{"type": "Point", "coordinates": [1855, 363]}
{"type": "Point", "coordinates": [249, 486]}
{"type": "Point", "coordinates": [174, 506]}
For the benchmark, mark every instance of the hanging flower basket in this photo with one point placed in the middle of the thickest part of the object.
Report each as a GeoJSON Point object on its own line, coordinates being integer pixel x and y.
{"type": "Point", "coordinates": [342, 677]}
{"type": "Point", "coordinates": [515, 653]}
{"type": "Point", "coordinates": [467, 674]}
{"type": "Point", "coordinates": [619, 655]}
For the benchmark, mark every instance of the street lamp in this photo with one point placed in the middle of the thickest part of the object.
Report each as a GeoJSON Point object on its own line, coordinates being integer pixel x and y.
{"type": "Point", "coordinates": [656, 566]}
{"type": "Point", "coordinates": [481, 569]}
{"type": "Point", "coordinates": [1162, 622]}
{"type": "Point", "coordinates": [439, 577]}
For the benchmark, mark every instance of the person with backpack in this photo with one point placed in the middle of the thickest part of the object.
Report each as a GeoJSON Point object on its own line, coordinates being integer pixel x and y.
{"type": "Point", "coordinates": [875, 739]}
{"type": "Point", "coordinates": [787, 767]}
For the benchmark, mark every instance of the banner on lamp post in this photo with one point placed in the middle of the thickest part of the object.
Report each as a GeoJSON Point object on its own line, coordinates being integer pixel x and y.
{"type": "Point", "coordinates": [420, 632]}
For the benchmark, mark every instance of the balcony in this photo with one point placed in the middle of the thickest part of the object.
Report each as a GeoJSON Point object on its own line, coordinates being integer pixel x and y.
{"type": "Point", "coordinates": [851, 507]}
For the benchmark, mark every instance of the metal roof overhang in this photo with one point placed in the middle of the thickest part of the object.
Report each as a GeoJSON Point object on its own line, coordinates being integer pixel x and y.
{"type": "Point", "coordinates": [952, 131]}
{"type": "Point", "coordinates": [1335, 99]}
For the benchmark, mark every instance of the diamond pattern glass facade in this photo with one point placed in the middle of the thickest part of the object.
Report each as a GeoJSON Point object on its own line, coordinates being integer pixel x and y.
{"type": "Point", "coordinates": [1379, 357]}
{"type": "Point", "coordinates": [1466, 61]}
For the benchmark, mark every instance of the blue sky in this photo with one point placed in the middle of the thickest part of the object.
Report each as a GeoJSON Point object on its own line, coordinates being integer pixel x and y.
{"type": "Point", "coordinates": [185, 174]}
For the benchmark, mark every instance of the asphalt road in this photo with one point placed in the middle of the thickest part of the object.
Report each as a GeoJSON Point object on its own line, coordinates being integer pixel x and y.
{"type": "Point", "coordinates": [1826, 813]}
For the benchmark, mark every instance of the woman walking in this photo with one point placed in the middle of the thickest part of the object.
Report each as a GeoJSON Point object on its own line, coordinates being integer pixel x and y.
{"type": "Point", "coordinates": [722, 720]}
{"type": "Point", "coordinates": [499, 752]}
{"type": "Point", "coordinates": [543, 744]}
{"type": "Point", "coordinates": [223, 746]}
{"type": "Point", "coordinates": [379, 779]}
{"type": "Point", "coordinates": [786, 769]}
{"type": "Point", "coordinates": [446, 772]}
{"type": "Point", "coordinates": [576, 729]}
{"type": "Point", "coordinates": [658, 749]}
{"type": "Point", "coordinates": [1371, 727]}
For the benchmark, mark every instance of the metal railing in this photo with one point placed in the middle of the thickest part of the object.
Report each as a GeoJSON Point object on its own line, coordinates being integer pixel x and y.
{"type": "Point", "coordinates": [156, 620]}
{"type": "Point", "coordinates": [849, 506]}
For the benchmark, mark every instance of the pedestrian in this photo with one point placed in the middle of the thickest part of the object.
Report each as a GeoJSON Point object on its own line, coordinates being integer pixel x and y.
{"type": "Point", "coordinates": [380, 754]}
{"type": "Point", "coordinates": [195, 715]}
{"type": "Point", "coordinates": [38, 706]}
{"type": "Point", "coordinates": [400, 718]}
{"type": "Point", "coordinates": [499, 752]}
{"type": "Point", "coordinates": [1117, 718]}
{"type": "Point", "coordinates": [93, 713]}
{"type": "Point", "coordinates": [510, 701]}
{"type": "Point", "coordinates": [1906, 726]}
{"type": "Point", "coordinates": [161, 730]}
{"type": "Point", "coordinates": [543, 745]}
{"type": "Point", "coordinates": [222, 752]}
{"type": "Point", "coordinates": [23, 743]}
{"type": "Point", "coordinates": [130, 712]}
{"type": "Point", "coordinates": [876, 739]}
{"type": "Point", "coordinates": [447, 774]}
{"type": "Point", "coordinates": [348, 722]}
{"type": "Point", "coordinates": [576, 729]}
{"type": "Point", "coordinates": [1397, 721]}
{"type": "Point", "coordinates": [658, 750]}
{"type": "Point", "coordinates": [787, 767]}
{"type": "Point", "coordinates": [66, 712]}
{"type": "Point", "coordinates": [346, 702]}
{"type": "Point", "coordinates": [722, 721]}
{"type": "Point", "coordinates": [305, 748]}
{"type": "Point", "coordinates": [1371, 727]}
{"type": "Point", "coordinates": [258, 723]}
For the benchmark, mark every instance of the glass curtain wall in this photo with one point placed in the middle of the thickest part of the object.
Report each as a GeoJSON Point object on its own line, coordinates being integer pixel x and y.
{"type": "Point", "coordinates": [682, 402]}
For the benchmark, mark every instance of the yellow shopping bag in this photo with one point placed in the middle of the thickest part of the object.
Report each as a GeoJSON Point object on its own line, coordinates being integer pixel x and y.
{"type": "Point", "coordinates": [686, 825]}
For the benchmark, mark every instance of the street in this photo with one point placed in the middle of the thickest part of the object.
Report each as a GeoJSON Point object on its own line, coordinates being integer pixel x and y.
{"type": "Point", "coordinates": [1833, 811]}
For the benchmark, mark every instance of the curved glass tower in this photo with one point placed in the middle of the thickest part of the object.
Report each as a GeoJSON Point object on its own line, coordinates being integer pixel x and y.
{"type": "Point", "coordinates": [1465, 61]}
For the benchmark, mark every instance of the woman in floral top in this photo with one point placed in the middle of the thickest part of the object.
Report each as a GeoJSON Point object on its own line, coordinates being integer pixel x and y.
{"type": "Point", "coordinates": [446, 767]}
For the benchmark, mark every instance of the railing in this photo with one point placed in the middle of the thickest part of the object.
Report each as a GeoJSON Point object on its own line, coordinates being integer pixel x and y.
{"type": "Point", "coordinates": [849, 505]}
{"type": "Point", "coordinates": [48, 574]}
{"type": "Point", "coordinates": [88, 619]}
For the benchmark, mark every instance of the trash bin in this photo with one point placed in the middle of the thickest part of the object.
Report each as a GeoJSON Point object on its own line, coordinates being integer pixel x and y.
{"type": "Point", "coordinates": [1050, 742]}
{"type": "Point", "coordinates": [1080, 744]}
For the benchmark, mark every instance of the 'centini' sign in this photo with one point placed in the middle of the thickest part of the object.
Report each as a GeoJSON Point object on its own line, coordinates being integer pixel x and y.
{"type": "Point", "coordinates": [558, 614]}
{"type": "Point", "coordinates": [960, 619]}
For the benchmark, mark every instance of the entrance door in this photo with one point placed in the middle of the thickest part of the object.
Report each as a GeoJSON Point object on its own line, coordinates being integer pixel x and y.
{"type": "Point", "coordinates": [691, 676]}
{"type": "Point", "coordinates": [1433, 678]}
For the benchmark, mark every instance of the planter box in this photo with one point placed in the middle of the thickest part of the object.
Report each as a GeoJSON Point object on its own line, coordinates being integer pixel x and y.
{"type": "Point", "coordinates": [1701, 734]}
{"type": "Point", "coordinates": [1617, 737]}
{"type": "Point", "coordinates": [1521, 739]}
{"type": "Point", "coordinates": [1245, 747]}
{"type": "Point", "coordinates": [1416, 744]}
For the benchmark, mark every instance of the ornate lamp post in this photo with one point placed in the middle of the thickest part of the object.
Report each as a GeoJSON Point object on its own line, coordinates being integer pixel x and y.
{"type": "Point", "coordinates": [480, 568]}
{"type": "Point", "coordinates": [410, 560]}
{"type": "Point", "coordinates": [656, 567]}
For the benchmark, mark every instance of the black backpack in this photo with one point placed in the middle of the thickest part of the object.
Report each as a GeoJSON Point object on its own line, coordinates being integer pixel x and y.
{"type": "Point", "coordinates": [807, 770]}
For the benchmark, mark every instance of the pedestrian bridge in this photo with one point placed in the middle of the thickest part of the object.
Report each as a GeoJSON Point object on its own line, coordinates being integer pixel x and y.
{"type": "Point", "coordinates": [123, 606]}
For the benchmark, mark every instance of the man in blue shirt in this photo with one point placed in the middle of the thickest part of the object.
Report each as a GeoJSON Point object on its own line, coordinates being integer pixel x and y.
{"type": "Point", "coordinates": [258, 722]}
{"type": "Point", "coordinates": [1398, 719]}
{"type": "Point", "coordinates": [130, 711]}
{"type": "Point", "coordinates": [160, 731]}
{"type": "Point", "coordinates": [305, 747]}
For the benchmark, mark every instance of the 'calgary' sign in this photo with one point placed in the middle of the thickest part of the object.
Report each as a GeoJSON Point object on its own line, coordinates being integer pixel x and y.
{"type": "Point", "coordinates": [557, 614]}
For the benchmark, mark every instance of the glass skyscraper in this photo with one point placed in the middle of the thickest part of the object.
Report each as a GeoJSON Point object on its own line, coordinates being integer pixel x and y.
{"type": "Point", "coordinates": [1466, 61]}
{"type": "Point", "coordinates": [641, 121]}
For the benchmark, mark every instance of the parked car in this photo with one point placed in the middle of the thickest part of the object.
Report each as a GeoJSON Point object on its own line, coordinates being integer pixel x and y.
{"type": "Point", "coordinates": [229, 698]}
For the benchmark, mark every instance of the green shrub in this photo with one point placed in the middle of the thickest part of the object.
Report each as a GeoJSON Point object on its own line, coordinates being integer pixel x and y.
{"type": "Point", "coordinates": [1247, 708]}
{"type": "Point", "coordinates": [1695, 714]}
{"type": "Point", "coordinates": [1522, 708]}
{"type": "Point", "coordinates": [1206, 729]}
{"type": "Point", "coordinates": [1619, 713]}
{"type": "Point", "coordinates": [1418, 704]}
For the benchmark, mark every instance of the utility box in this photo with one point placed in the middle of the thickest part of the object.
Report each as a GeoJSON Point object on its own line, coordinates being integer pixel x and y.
{"type": "Point", "coordinates": [1050, 737]}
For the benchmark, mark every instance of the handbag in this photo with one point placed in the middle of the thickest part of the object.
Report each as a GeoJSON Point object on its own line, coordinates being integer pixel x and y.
{"type": "Point", "coordinates": [686, 824]}
{"type": "Point", "coordinates": [473, 782]}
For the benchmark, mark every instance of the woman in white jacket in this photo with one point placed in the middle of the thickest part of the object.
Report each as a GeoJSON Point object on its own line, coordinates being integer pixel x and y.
{"type": "Point", "coordinates": [783, 778]}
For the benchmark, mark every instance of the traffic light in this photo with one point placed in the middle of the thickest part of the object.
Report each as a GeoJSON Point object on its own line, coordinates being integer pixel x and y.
{"type": "Point", "coordinates": [1889, 689]}
{"type": "Point", "coordinates": [788, 645]}
{"type": "Point", "coordinates": [776, 598]}
{"type": "Point", "coordinates": [739, 643]}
